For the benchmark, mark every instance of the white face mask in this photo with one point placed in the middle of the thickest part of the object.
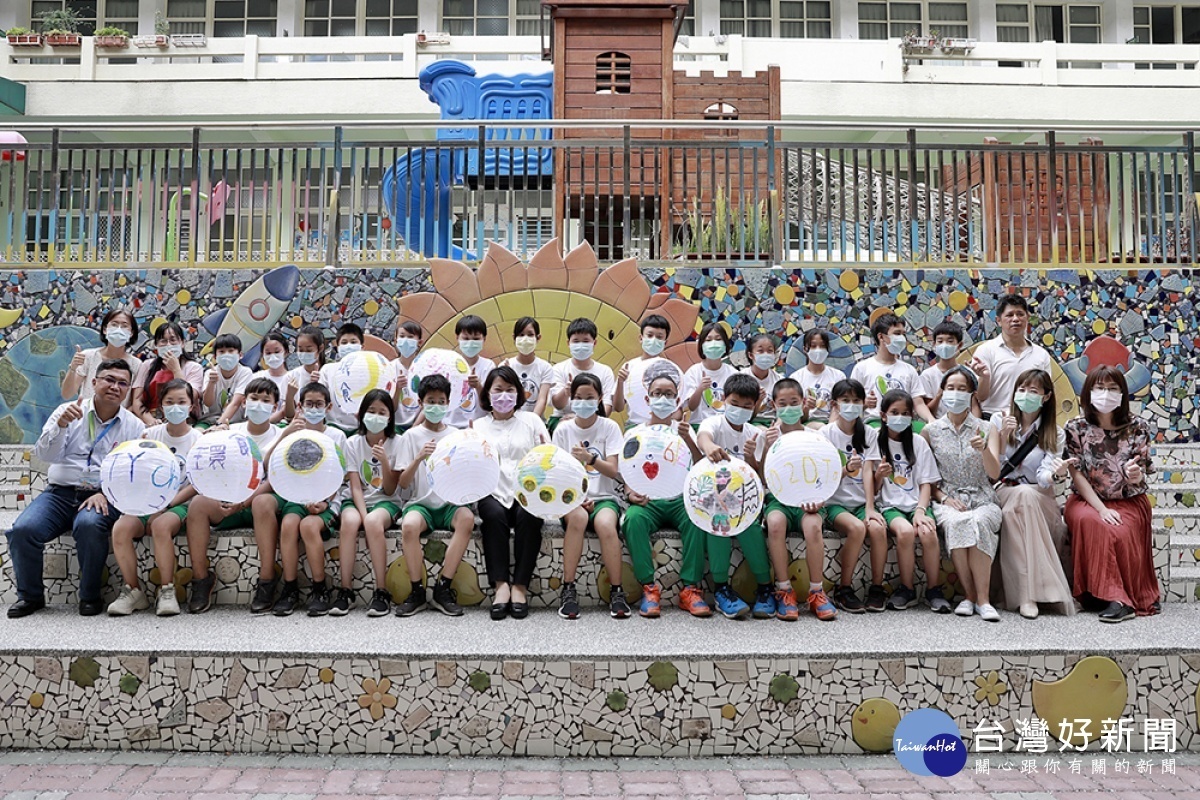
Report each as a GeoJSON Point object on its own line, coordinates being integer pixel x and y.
{"type": "Point", "coordinates": [258, 412]}
{"type": "Point", "coordinates": [306, 358]}
{"type": "Point", "coordinates": [118, 337]}
{"type": "Point", "coordinates": [407, 346]}
{"type": "Point", "coordinates": [170, 350]}
{"type": "Point", "coordinates": [1106, 401]}
{"type": "Point", "coordinates": [314, 416]}
{"type": "Point", "coordinates": [348, 349]}
{"type": "Point", "coordinates": [526, 344]}
{"type": "Point", "coordinates": [896, 344]}
{"type": "Point", "coordinates": [738, 416]}
{"type": "Point", "coordinates": [652, 345]}
{"type": "Point", "coordinates": [956, 401]}
{"type": "Point", "coordinates": [850, 411]}
{"type": "Point", "coordinates": [663, 407]}
{"type": "Point", "coordinates": [765, 360]}
{"type": "Point", "coordinates": [818, 356]}
{"type": "Point", "coordinates": [227, 361]}
{"type": "Point", "coordinates": [945, 351]}
{"type": "Point", "coordinates": [275, 360]}
{"type": "Point", "coordinates": [582, 351]}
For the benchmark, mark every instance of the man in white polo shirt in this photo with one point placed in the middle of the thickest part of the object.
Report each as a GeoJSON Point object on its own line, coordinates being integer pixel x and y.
{"type": "Point", "coordinates": [1008, 355]}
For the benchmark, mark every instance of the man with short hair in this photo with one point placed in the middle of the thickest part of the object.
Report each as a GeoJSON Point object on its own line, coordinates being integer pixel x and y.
{"type": "Point", "coordinates": [1004, 358]}
{"type": "Point", "coordinates": [74, 442]}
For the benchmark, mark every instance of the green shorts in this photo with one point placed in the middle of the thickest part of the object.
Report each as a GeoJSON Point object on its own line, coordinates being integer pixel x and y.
{"type": "Point", "coordinates": [830, 513]}
{"type": "Point", "coordinates": [386, 505]}
{"type": "Point", "coordinates": [890, 514]}
{"type": "Point", "coordinates": [179, 511]}
{"type": "Point", "coordinates": [286, 508]}
{"type": "Point", "coordinates": [794, 515]}
{"type": "Point", "coordinates": [436, 519]}
{"type": "Point", "coordinates": [242, 519]}
{"type": "Point", "coordinates": [597, 507]}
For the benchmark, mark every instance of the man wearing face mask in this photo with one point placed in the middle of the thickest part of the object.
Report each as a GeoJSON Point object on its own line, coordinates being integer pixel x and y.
{"type": "Point", "coordinates": [119, 332]}
{"type": "Point", "coordinates": [74, 442]}
{"type": "Point", "coordinates": [1008, 355]}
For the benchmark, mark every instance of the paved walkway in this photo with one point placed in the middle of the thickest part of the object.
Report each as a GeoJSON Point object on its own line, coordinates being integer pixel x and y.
{"type": "Point", "coordinates": [151, 776]}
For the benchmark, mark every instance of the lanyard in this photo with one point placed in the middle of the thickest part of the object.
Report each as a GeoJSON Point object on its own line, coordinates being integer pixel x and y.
{"type": "Point", "coordinates": [103, 431]}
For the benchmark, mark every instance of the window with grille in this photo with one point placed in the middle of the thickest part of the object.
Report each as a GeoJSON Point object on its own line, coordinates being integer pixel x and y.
{"type": "Point", "coordinates": [1033, 22]}
{"type": "Point", "coordinates": [188, 16]}
{"type": "Point", "coordinates": [491, 17]}
{"type": "Point", "coordinates": [791, 19]}
{"type": "Point", "coordinates": [613, 73]}
{"type": "Point", "coordinates": [86, 9]}
{"type": "Point", "coordinates": [244, 17]}
{"type": "Point", "coordinates": [884, 20]}
{"type": "Point", "coordinates": [688, 26]}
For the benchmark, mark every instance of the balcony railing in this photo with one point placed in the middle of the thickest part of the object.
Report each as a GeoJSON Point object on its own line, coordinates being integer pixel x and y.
{"type": "Point", "coordinates": [675, 192]}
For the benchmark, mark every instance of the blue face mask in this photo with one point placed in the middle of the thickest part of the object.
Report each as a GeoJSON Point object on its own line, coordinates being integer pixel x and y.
{"type": "Point", "coordinates": [407, 346]}
{"type": "Point", "coordinates": [470, 347]}
{"type": "Point", "coordinates": [584, 409]}
{"type": "Point", "coordinates": [348, 349]}
{"type": "Point", "coordinates": [738, 416]}
{"type": "Point", "coordinates": [314, 416]}
{"type": "Point", "coordinates": [306, 358]}
{"type": "Point", "coordinates": [176, 414]}
{"type": "Point", "coordinates": [663, 407]}
{"type": "Point", "coordinates": [227, 361]}
{"type": "Point", "coordinates": [898, 423]}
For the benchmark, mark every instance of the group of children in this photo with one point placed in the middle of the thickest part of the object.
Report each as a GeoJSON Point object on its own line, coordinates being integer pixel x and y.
{"type": "Point", "coordinates": [889, 482]}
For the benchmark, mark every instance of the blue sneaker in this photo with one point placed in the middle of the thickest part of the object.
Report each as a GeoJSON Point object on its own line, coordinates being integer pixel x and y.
{"type": "Point", "coordinates": [764, 602]}
{"type": "Point", "coordinates": [729, 604]}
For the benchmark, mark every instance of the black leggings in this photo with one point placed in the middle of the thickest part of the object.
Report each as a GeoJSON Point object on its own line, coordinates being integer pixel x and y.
{"type": "Point", "coordinates": [497, 522]}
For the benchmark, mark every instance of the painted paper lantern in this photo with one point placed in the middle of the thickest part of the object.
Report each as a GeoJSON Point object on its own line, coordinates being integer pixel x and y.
{"type": "Point", "coordinates": [551, 482]}
{"type": "Point", "coordinates": [802, 467]}
{"type": "Point", "coordinates": [464, 468]}
{"type": "Point", "coordinates": [141, 476]}
{"type": "Point", "coordinates": [641, 373]}
{"type": "Point", "coordinates": [447, 363]}
{"type": "Point", "coordinates": [723, 497]}
{"type": "Point", "coordinates": [306, 467]}
{"type": "Point", "coordinates": [225, 466]}
{"type": "Point", "coordinates": [358, 373]}
{"type": "Point", "coordinates": [655, 461]}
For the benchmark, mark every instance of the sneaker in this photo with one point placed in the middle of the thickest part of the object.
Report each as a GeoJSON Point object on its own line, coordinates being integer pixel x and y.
{"type": "Point", "coordinates": [1116, 612]}
{"type": "Point", "coordinates": [202, 589]}
{"type": "Point", "coordinates": [876, 598]}
{"type": "Point", "coordinates": [936, 598]}
{"type": "Point", "coordinates": [651, 605]}
{"type": "Point", "coordinates": [989, 613]}
{"type": "Point", "coordinates": [568, 604]}
{"type": "Point", "coordinates": [380, 605]}
{"type": "Point", "coordinates": [618, 606]}
{"type": "Point", "coordinates": [764, 602]}
{"type": "Point", "coordinates": [691, 600]}
{"type": "Point", "coordinates": [901, 599]}
{"type": "Point", "coordinates": [264, 596]}
{"type": "Point", "coordinates": [289, 598]}
{"type": "Point", "coordinates": [819, 605]}
{"type": "Point", "coordinates": [130, 600]}
{"type": "Point", "coordinates": [168, 604]}
{"type": "Point", "coordinates": [445, 599]}
{"type": "Point", "coordinates": [343, 601]}
{"type": "Point", "coordinates": [845, 599]}
{"type": "Point", "coordinates": [787, 608]}
{"type": "Point", "coordinates": [320, 601]}
{"type": "Point", "coordinates": [414, 603]}
{"type": "Point", "coordinates": [728, 603]}
{"type": "Point", "coordinates": [965, 609]}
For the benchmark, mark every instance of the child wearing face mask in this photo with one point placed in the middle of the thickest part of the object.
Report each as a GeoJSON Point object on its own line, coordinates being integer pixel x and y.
{"type": "Point", "coordinates": [704, 383]}
{"type": "Point", "coordinates": [536, 374]}
{"type": "Point", "coordinates": [763, 355]}
{"type": "Point", "coordinates": [590, 436]}
{"type": "Point", "coordinates": [471, 331]}
{"type": "Point", "coordinates": [369, 501]}
{"type": "Point", "coordinates": [885, 371]}
{"type": "Point", "coordinates": [851, 510]}
{"type": "Point", "coordinates": [731, 435]}
{"type": "Point", "coordinates": [427, 511]}
{"type": "Point", "coordinates": [906, 477]}
{"type": "Point", "coordinates": [656, 330]}
{"type": "Point", "coordinates": [947, 342]}
{"type": "Point", "coordinates": [177, 433]}
{"type": "Point", "coordinates": [816, 379]}
{"type": "Point", "coordinates": [409, 338]}
{"type": "Point", "coordinates": [118, 332]}
{"type": "Point", "coordinates": [350, 339]}
{"type": "Point", "coordinates": [170, 363]}
{"type": "Point", "coordinates": [581, 338]}
{"type": "Point", "coordinates": [274, 350]}
{"type": "Point", "coordinates": [225, 384]}
{"type": "Point", "coordinates": [310, 352]}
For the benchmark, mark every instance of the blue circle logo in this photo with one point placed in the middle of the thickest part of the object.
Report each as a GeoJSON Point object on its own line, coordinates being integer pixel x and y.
{"type": "Point", "coordinates": [926, 742]}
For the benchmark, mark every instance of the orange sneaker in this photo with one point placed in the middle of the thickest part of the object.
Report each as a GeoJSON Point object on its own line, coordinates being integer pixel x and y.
{"type": "Point", "coordinates": [651, 600]}
{"type": "Point", "coordinates": [818, 604]}
{"type": "Point", "coordinates": [786, 607]}
{"type": "Point", "coordinates": [691, 600]}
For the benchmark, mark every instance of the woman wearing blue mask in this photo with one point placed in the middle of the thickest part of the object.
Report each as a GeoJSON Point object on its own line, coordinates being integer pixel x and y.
{"type": "Point", "coordinates": [119, 333]}
{"type": "Point", "coordinates": [964, 502]}
{"type": "Point", "coordinates": [595, 440]}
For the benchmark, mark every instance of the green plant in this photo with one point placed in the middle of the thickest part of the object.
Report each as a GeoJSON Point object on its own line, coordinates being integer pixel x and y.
{"type": "Point", "coordinates": [111, 30]}
{"type": "Point", "coordinates": [730, 228]}
{"type": "Point", "coordinates": [161, 26]}
{"type": "Point", "coordinates": [18, 31]}
{"type": "Point", "coordinates": [59, 21]}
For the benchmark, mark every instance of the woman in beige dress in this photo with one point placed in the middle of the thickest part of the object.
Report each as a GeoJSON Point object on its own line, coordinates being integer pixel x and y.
{"type": "Point", "coordinates": [1027, 445]}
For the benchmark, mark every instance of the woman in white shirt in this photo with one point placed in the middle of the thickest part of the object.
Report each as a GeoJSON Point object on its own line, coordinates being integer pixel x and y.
{"type": "Point", "coordinates": [119, 332]}
{"type": "Point", "coordinates": [1033, 530]}
{"type": "Point", "coordinates": [513, 433]}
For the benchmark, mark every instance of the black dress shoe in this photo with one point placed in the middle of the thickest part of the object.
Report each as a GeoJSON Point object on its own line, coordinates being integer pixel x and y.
{"type": "Point", "coordinates": [520, 610]}
{"type": "Point", "coordinates": [500, 610]}
{"type": "Point", "coordinates": [23, 608]}
{"type": "Point", "coordinates": [90, 608]}
{"type": "Point", "coordinates": [1117, 612]}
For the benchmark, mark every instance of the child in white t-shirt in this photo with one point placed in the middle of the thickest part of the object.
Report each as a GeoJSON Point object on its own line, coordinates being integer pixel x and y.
{"type": "Point", "coordinates": [410, 336]}
{"type": "Point", "coordinates": [704, 383]}
{"type": "Point", "coordinates": [656, 330]}
{"type": "Point", "coordinates": [761, 351]}
{"type": "Point", "coordinates": [225, 384]}
{"type": "Point", "coordinates": [884, 371]}
{"type": "Point", "coordinates": [536, 373]}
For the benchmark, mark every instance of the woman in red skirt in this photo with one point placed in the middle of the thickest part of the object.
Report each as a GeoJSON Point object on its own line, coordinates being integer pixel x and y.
{"type": "Point", "coordinates": [1108, 515]}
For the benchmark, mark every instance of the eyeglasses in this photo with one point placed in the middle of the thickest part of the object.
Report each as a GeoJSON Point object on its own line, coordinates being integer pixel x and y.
{"type": "Point", "coordinates": [113, 382]}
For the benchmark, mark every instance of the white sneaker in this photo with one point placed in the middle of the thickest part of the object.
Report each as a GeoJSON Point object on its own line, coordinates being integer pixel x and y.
{"type": "Point", "coordinates": [129, 601]}
{"type": "Point", "coordinates": [965, 609]}
{"type": "Point", "coordinates": [1029, 610]}
{"type": "Point", "coordinates": [168, 605]}
{"type": "Point", "coordinates": [989, 613]}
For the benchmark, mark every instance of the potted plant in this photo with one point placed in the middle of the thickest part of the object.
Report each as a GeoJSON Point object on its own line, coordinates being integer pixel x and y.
{"type": "Point", "coordinates": [111, 36]}
{"type": "Point", "coordinates": [23, 37]}
{"type": "Point", "coordinates": [162, 34]}
{"type": "Point", "coordinates": [60, 27]}
{"type": "Point", "coordinates": [741, 232]}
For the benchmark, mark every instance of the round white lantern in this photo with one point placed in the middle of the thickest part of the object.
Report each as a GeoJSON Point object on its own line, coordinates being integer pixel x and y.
{"type": "Point", "coordinates": [655, 461]}
{"type": "Point", "coordinates": [446, 363]}
{"type": "Point", "coordinates": [641, 373]}
{"type": "Point", "coordinates": [802, 467]}
{"type": "Point", "coordinates": [551, 482]}
{"type": "Point", "coordinates": [225, 466]}
{"type": "Point", "coordinates": [141, 476]}
{"type": "Point", "coordinates": [723, 497]}
{"type": "Point", "coordinates": [464, 468]}
{"type": "Point", "coordinates": [357, 374]}
{"type": "Point", "coordinates": [306, 467]}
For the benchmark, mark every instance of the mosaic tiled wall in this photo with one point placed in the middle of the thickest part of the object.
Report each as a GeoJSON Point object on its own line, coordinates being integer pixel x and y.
{"type": "Point", "coordinates": [766, 706]}
{"type": "Point", "coordinates": [43, 314]}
